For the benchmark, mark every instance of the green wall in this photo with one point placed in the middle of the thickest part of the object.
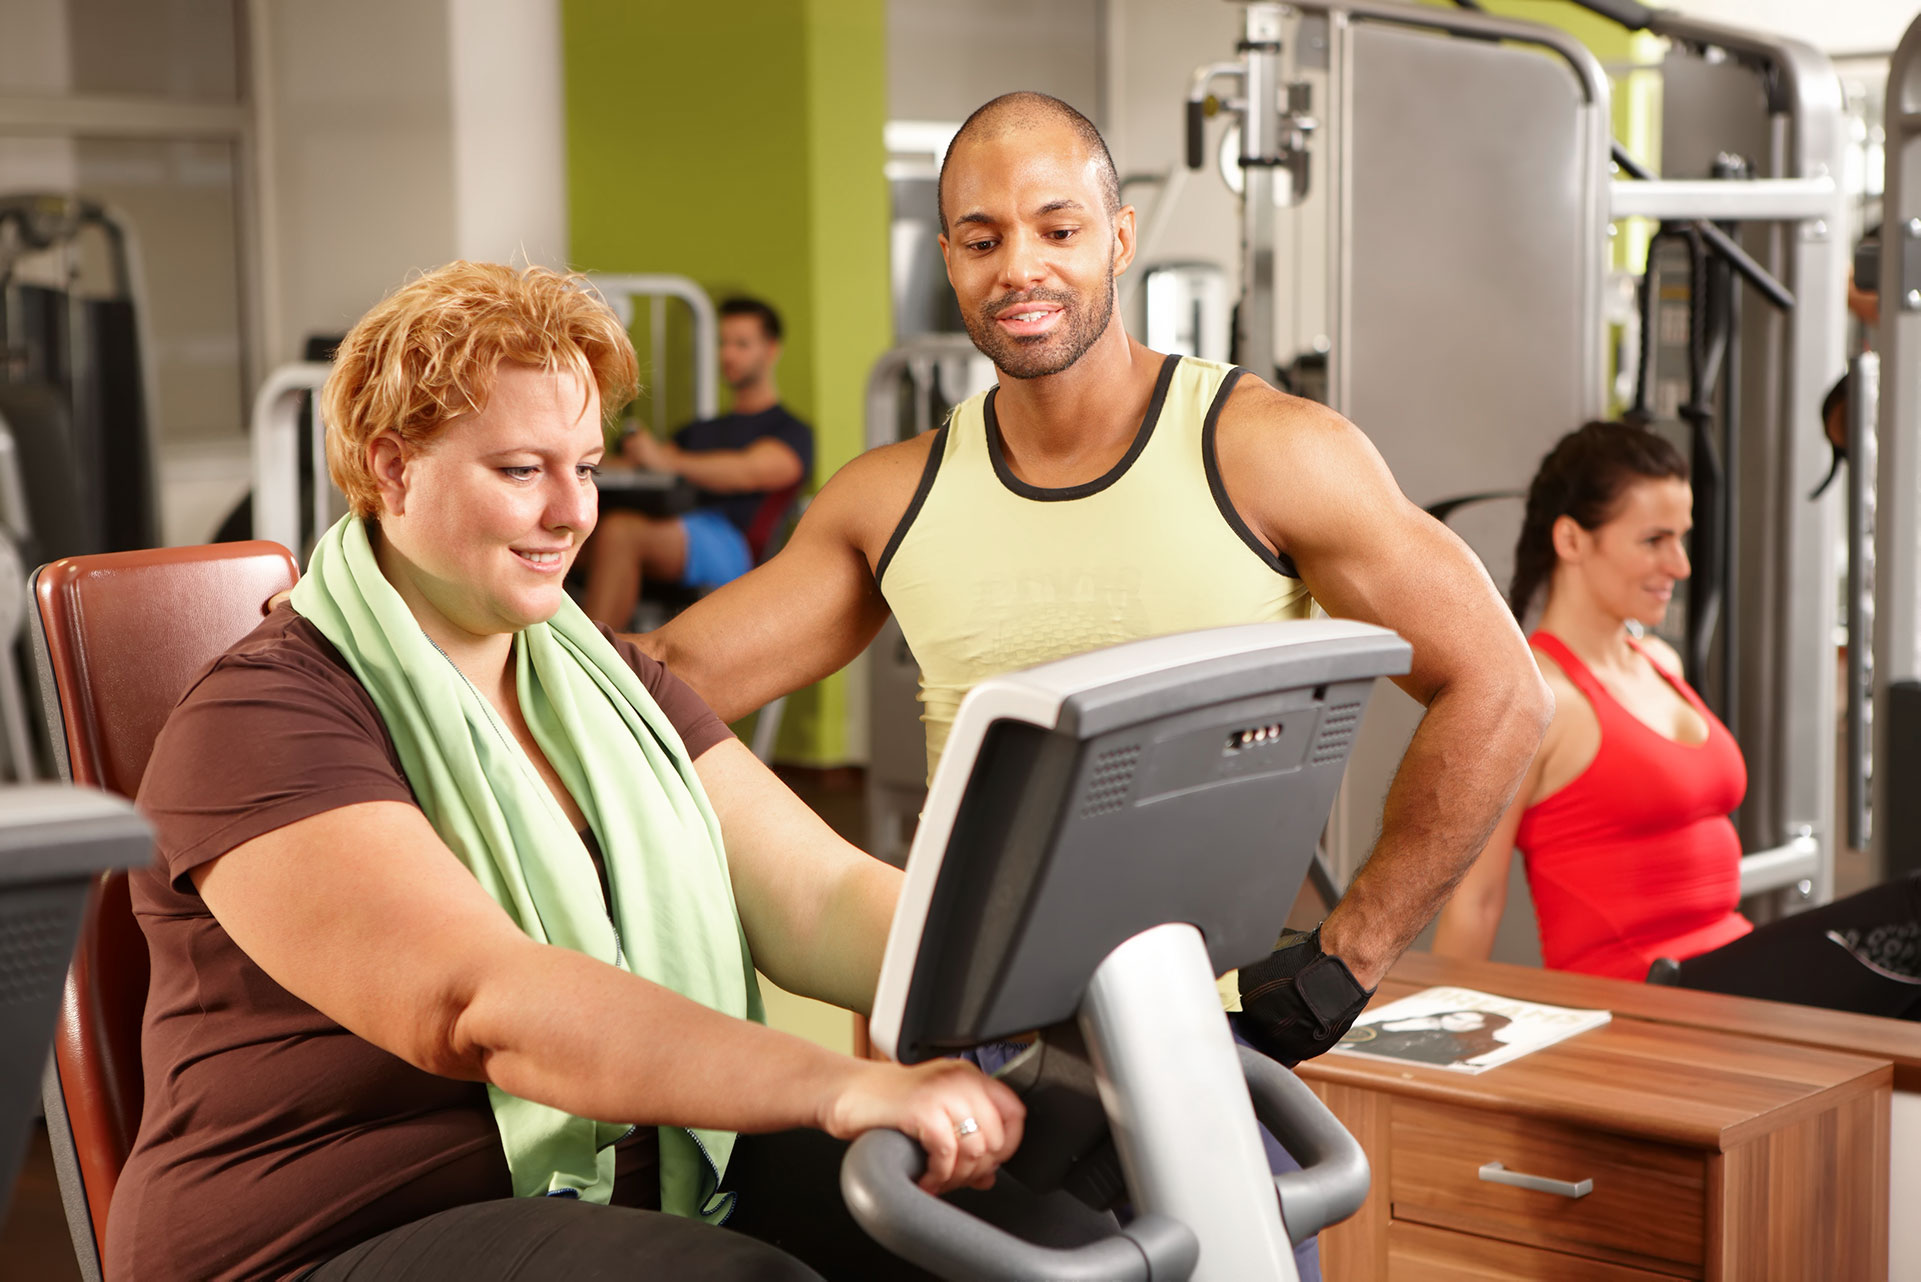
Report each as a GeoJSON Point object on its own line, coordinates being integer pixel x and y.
{"type": "Point", "coordinates": [739, 143]}
{"type": "Point", "coordinates": [1609, 40]}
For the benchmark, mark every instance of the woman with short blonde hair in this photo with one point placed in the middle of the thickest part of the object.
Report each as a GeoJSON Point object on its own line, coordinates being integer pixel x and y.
{"type": "Point", "coordinates": [459, 901]}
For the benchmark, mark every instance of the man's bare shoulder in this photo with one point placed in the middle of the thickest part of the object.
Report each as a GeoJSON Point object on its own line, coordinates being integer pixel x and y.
{"type": "Point", "coordinates": [1288, 462]}
{"type": "Point", "coordinates": [1257, 406]}
{"type": "Point", "coordinates": [867, 497]}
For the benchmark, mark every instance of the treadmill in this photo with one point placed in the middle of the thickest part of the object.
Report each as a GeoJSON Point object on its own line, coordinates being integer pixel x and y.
{"type": "Point", "coordinates": [1106, 834]}
{"type": "Point", "coordinates": [54, 840]}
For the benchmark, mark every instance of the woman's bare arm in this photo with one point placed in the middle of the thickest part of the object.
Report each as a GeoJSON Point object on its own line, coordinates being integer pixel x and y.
{"type": "Point", "coordinates": [1471, 917]}
{"type": "Point", "coordinates": [815, 908]}
{"type": "Point", "coordinates": [366, 915]}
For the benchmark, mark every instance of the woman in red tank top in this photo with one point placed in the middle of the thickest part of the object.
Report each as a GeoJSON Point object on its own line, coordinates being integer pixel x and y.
{"type": "Point", "coordinates": [1622, 820]}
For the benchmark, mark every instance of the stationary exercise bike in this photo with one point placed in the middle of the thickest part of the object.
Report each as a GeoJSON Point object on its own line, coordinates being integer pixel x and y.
{"type": "Point", "coordinates": [1105, 835]}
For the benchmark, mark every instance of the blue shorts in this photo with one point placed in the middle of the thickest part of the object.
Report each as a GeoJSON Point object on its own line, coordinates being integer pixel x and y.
{"type": "Point", "coordinates": [716, 550]}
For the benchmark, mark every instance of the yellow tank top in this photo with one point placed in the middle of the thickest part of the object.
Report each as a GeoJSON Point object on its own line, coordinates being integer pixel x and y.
{"type": "Point", "coordinates": [988, 574]}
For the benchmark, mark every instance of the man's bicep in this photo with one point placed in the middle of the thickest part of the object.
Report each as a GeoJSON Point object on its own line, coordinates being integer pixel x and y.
{"type": "Point", "coordinates": [1367, 553]}
{"type": "Point", "coordinates": [1418, 578]}
{"type": "Point", "coordinates": [783, 625]}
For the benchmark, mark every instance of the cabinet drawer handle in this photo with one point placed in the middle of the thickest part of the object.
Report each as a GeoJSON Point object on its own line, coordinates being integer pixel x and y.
{"type": "Point", "coordinates": [1495, 1173]}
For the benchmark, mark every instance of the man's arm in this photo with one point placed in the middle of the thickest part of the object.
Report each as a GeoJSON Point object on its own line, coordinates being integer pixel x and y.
{"type": "Point", "coordinates": [1311, 484]}
{"type": "Point", "coordinates": [810, 609]}
{"type": "Point", "coordinates": [767, 464]}
{"type": "Point", "coordinates": [1472, 915]}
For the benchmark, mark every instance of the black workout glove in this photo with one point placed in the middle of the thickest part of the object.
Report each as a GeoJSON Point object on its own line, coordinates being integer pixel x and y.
{"type": "Point", "coordinates": [1299, 1001]}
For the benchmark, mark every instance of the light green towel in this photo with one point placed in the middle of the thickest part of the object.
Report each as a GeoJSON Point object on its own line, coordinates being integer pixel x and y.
{"type": "Point", "coordinates": [626, 768]}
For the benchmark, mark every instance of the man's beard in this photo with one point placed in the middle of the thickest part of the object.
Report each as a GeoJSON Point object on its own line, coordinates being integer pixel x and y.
{"type": "Point", "coordinates": [1048, 353]}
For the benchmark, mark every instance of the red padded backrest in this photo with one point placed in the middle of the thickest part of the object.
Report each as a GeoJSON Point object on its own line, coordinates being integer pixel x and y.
{"type": "Point", "coordinates": [768, 517]}
{"type": "Point", "coordinates": [123, 634]}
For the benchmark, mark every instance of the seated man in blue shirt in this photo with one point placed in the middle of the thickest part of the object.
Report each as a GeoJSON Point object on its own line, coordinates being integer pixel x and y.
{"type": "Point", "coordinates": [747, 466]}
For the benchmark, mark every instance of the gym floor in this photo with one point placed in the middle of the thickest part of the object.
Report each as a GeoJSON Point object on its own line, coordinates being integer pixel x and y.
{"type": "Point", "coordinates": [34, 1241]}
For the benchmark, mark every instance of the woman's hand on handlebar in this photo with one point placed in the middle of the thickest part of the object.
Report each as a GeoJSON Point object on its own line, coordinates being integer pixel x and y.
{"type": "Point", "coordinates": [930, 1103]}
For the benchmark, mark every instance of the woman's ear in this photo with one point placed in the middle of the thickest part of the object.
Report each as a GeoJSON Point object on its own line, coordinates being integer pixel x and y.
{"type": "Point", "coordinates": [1568, 538]}
{"type": "Point", "coordinates": [387, 463]}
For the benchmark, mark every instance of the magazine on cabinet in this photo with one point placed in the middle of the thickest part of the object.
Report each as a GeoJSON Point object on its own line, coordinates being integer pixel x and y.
{"type": "Point", "coordinates": [1462, 1030]}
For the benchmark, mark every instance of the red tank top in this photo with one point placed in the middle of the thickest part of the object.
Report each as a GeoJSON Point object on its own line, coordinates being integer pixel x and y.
{"type": "Point", "coordinates": [1636, 858]}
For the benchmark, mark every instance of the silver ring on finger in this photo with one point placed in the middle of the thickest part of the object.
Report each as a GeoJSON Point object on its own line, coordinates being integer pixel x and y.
{"type": "Point", "coordinates": [965, 1127]}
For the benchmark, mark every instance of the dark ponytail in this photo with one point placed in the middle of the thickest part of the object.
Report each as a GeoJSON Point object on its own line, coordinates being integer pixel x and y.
{"type": "Point", "coordinates": [1583, 477]}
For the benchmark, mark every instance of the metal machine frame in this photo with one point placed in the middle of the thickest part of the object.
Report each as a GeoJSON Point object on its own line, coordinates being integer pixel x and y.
{"type": "Point", "coordinates": [277, 444]}
{"type": "Point", "coordinates": [49, 221]}
{"type": "Point", "coordinates": [1783, 684]}
{"type": "Point", "coordinates": [1893, 534]}
{"type": "Point", "coordinates": [620, 293]}
{"type": "Point", "coordinates": [1884, 476]}
{"type": "Point", "coordinates": [17, 752]}
{"type": "Point", "coordinates": [1782, 689]}
{"type": "Point", "coordinates": [1105, 834]}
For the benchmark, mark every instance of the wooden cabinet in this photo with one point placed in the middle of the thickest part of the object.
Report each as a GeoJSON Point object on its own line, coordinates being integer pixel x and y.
{"type": "Point", "coordinates": [1438, 1255]}
{"type": "Point", "coordinates": [1708, 1155]}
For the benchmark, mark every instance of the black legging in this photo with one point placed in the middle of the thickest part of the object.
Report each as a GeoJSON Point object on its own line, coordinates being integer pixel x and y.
{"type": "Point", "coordinates": [1871, 969]}
{"type": "Point", "coordinates": [789, 1225]}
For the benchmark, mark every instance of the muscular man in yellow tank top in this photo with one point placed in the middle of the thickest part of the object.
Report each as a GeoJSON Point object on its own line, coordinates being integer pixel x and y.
{"type": "Point", "coordinates": [1250, 502]}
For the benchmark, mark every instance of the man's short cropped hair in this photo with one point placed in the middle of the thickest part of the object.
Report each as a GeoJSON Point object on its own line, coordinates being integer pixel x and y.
{"type": "Point", "coordinates": [1024, 109]}
{"type": "Point", "coordinates": [741, 305]}
{"type": "Point", "coordinates": [429, 351]}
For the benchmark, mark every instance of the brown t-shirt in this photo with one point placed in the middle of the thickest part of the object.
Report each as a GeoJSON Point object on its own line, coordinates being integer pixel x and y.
{"type": "Point", "coordinates": [272, 1138]}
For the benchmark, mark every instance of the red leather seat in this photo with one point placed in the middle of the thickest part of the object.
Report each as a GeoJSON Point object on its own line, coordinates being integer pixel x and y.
{"type": "Point", "coordinates": [119, 637]}
{"type": "Point", "coordinates": [770, 518]}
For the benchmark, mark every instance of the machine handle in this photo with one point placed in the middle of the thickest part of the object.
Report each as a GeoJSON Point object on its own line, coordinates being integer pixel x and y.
{"type": "Point", "coordinates": [1197, 105]}
{"type": "Point", "coordinates": [1864, 395]}
{"type": "Point", "coordinates": [1495, 1173]}
{"type": "Point", "coordinates": [1333, 1179]}
{"type": "Point", "coordinates": [877, 1179]}
{"type": "Point", "coordinates": [1730, 252]}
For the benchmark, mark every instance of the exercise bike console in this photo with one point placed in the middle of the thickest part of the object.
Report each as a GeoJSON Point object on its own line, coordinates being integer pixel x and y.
{"type": "Point", "coordinates": [1105, 834]}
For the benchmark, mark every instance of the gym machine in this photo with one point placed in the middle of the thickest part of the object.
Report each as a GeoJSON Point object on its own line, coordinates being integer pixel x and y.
{"type": "Point", "coordinates": [76, 387]}
{"type": "Point", "coordinates": [54, 840]}
{"type": "Point", "coordinates": [1465, 267]}
{"type": "Point", "coordinates": [77, 440]}
{"type": "Point", "coordinates": [1105, 834]}
{"type": "Point", "coordinates": [1884, 531]}
{"type": "Point", "coordinates": [621, 293]}
{"type": "Point", "coordinates": [19, 753]}
{"type": "Point", "coordinates": [1885, 460]}
{"type": "Point", "coordinates": [292, 501]}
